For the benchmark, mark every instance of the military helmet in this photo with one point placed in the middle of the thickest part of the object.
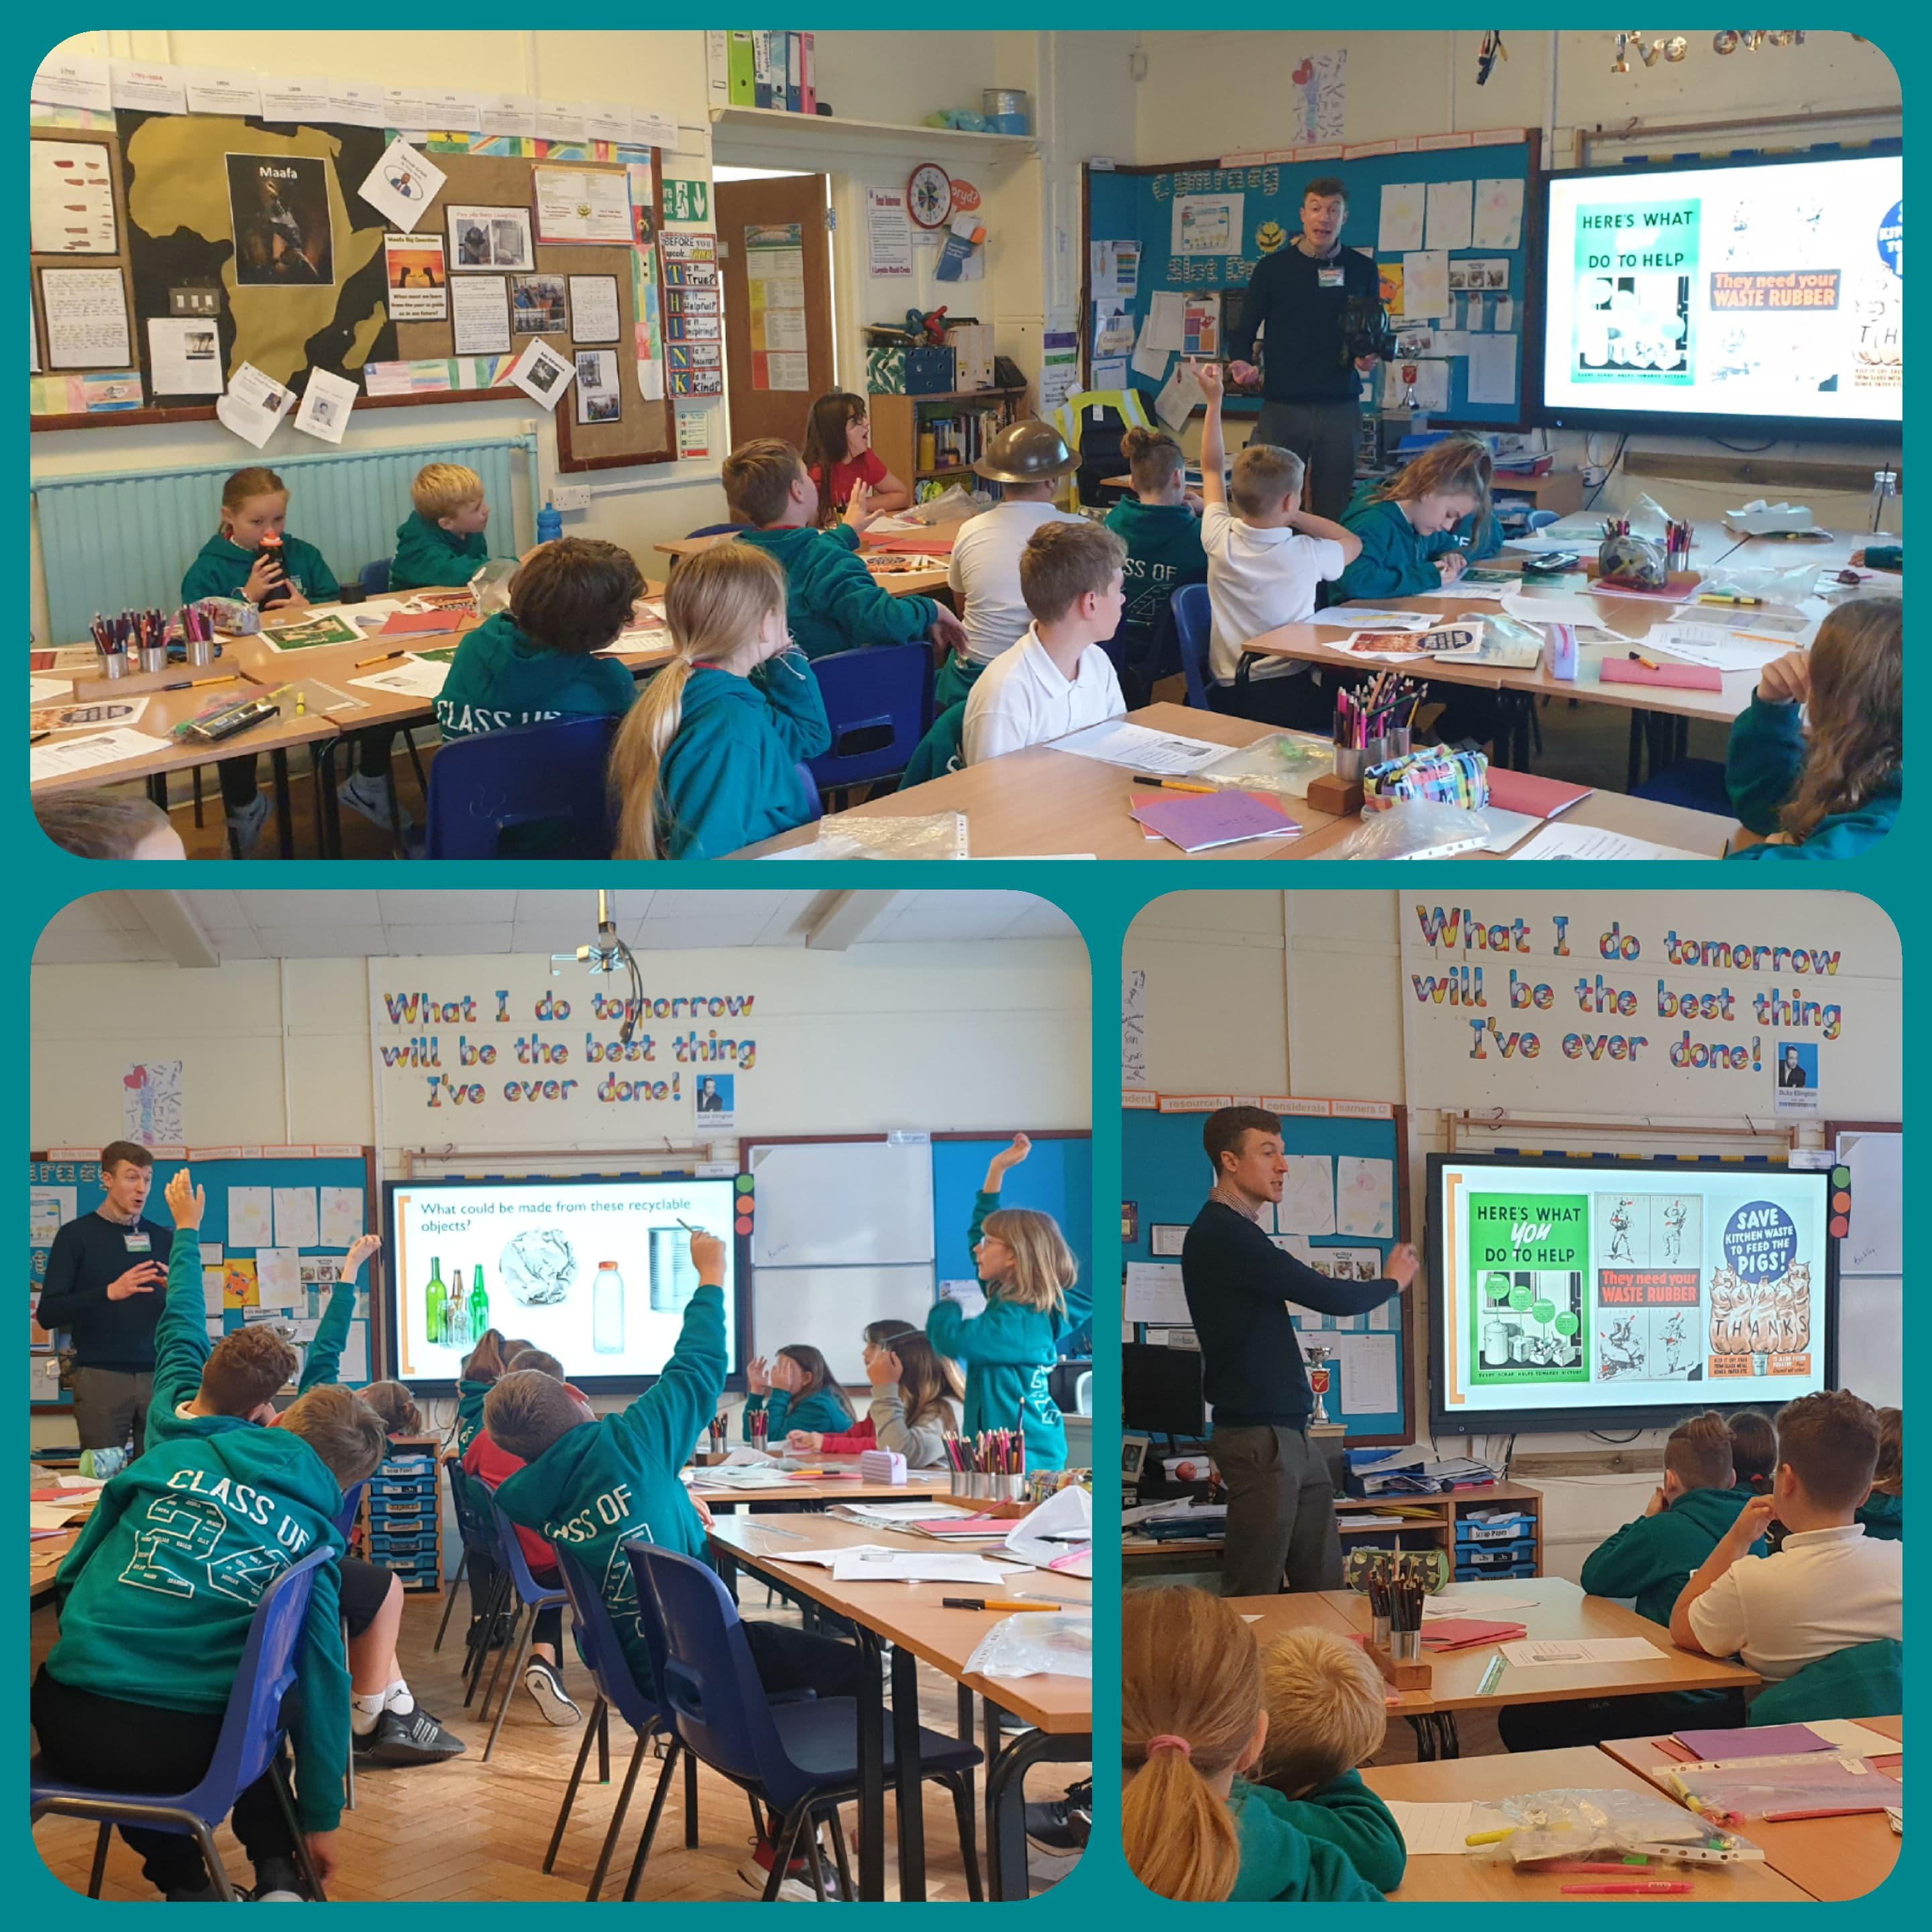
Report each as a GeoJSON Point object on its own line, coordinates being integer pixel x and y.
{"type": "Point", "coordinates": [1029, 452]}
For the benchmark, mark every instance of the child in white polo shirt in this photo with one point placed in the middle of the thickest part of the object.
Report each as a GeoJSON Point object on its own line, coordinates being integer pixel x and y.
{"type": "Point", "coordinates": [1830, 1586]}
{"type": "Point", "coordinates": [1056, 678]}
{"type": "Point", "coordinates": [1266, 558]}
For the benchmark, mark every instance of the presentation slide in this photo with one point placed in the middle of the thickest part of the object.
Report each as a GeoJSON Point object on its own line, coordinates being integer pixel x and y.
{"type": "Point", "coordinates": [1611, 1286]}
{"type": "Point", "coordinates": [1774, 290]}
{"type": "Point", "coordinates": [597, 1272]}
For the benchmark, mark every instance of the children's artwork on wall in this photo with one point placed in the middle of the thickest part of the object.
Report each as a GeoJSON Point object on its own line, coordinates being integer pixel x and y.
{"type": "Point", "coordinates": [278, 209]}
{"type": "Point", "coordinates": [1364, 1196]}
{"type": "Point", "coordinates": [1307, 1195]}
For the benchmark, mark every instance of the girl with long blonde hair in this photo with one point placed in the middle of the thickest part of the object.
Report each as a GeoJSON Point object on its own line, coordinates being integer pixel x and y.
{"type": "Point", "coordinates": [1423, 526]}
{"type": "Point", "coordinates": [1192, 1720]}
{"type": "Point", "coordinates": [1026, 1269]}
{"type": "Point", "coordinates": [709, 758]}
{"type": "Point", "coordinates": [1817, 762]}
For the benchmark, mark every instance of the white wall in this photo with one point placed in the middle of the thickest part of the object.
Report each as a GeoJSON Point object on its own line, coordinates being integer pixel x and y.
{"type": "Point", "coordinates": [1303, 992]}
{"type": "Point", "coordinates": [1208, 93]}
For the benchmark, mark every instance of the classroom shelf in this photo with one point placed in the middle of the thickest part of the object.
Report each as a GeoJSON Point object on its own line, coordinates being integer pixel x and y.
{"type": "Point", "coordinates": [896, 422]}
{"type": "Point", "coordinates": [770, 118]}
{"type": "Point", "coordinates": [400, 1526]}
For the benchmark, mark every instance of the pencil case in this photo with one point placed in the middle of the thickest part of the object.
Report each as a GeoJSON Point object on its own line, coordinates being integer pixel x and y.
{"type": "Point", "coordinates": [1436, 776]}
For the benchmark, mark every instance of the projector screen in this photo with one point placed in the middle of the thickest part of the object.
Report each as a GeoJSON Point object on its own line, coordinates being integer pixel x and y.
{"type": "Point", "coordinates": [540, 1247]}
{"type": "Point", "coordinates": [1585, 1295]}
{"type": "Point", "coordinates": [1739, 292]}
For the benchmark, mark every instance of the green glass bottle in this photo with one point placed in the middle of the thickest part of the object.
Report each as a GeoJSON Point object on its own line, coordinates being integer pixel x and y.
{"type": "Point", "coordinates": [433, 1304]}
{"type": "Point", "coordinates": [479, 1306]}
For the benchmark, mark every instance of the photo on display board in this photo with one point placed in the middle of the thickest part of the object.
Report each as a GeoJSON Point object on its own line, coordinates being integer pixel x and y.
{"type": "Point", "coordinates": [278, 205]}
{"type": "Point", "coordinates": [489, 238]}
{"type": "Point", "coordinates": [537, 305]}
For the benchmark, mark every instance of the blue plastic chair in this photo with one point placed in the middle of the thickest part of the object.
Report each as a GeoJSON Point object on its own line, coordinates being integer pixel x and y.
{"type": "Point", "coordinates": [528, 1597]}
{"type": "Point", "coordinates": [716, 530]}
{"type": "Point", "coordinates": [249, 1748]}
{"type": "Point", "coordinates": [1695, 783]}
{"type": "Point", "coordinates": [452, 1467]}
{"type": "Point", "coordinates": [532, 778]}
{"type": "Point", "coordinates": [1192, 615]}
{"type": "Point", "coordinates": [879, 701]}
{"type": "Point", "coordinates": [808, 786]}
{"type": "Point", "coordinates": [374, 577]}
{"type": "Point", "coordinates": [352, 1506]}
{"type": "Point", "coordinates": [617, 1689]}
{"type": "Point", "coordinates": [800, 1759]}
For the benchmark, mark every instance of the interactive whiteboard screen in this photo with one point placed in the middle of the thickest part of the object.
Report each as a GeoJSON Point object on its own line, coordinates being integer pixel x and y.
{"type": "Point", "coordinates": [597, 1272]}
{"type": "Point", "coordinates": [1569, 1296]}
{"type": "Point", "coordinates": [1768, 291]}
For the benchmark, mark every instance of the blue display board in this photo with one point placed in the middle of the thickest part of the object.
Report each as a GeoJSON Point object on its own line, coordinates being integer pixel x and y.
{"type": "Point", "coordinates": [1165, 1175]}
{"type": "Point", "coordinates": [217, 1177]}
{"type": "Point", "coordinates": [1138, 205]}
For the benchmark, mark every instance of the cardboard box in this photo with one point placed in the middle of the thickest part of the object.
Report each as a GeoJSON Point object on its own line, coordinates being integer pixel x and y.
{"type": "Point", "coordinates": [972, 346]}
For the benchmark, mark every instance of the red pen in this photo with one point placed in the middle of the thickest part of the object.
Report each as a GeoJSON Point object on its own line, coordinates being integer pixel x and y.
{"type": "Point", "coordinates": [1649, 1888]}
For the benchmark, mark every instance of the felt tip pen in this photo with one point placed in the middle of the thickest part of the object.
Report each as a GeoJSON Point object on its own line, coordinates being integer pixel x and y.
{"type": "Point", "coordinates": [1642, 1888]}
{"type": "Point", "coordinates": [1490, 1838]}
{"type": "Point", "coordinates": [1730, 597]}
{"type": "Point", "coordinates": [1181, 784]}
{"type": "Point", "coordinates": [196, 683]}
{"type": "Point", "coordinates": [1493, 1676]}
{"type": "Point", "coordinates": [991, 1603]}
{"type": "Point", "coordinates": [363, 663]}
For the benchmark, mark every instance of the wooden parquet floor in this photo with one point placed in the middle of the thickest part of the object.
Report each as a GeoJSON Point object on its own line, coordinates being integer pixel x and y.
{"type": "Point", "coordinates": [466, 1830]}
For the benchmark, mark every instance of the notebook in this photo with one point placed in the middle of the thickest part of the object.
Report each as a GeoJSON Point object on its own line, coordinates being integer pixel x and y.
{"type": "Point", "coordinates": [1767, 1741]}
{"type": "Point", "coordinates": [1199, 821]}
{"type": "Point", "coordinates": [1467, 1633]}
{"type": "Point", "coordinates": [1539, 797]}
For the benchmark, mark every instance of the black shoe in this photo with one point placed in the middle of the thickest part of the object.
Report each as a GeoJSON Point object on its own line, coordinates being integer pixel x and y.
{"type": "Point", "coordinates": [207, 1895]}
{"type": "Point", "coordinates": [417, 1738]}
{"type": "Point", "coordinates": [278, 1881]}
{"type": "Point", "coordinates": [1063, 1824]}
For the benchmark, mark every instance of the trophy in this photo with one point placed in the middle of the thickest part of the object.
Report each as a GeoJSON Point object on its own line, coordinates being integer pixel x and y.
{"type": "Point", "coordinates": [1320, 1380]}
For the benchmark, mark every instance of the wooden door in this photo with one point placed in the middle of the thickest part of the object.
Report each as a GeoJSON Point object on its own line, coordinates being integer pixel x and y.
{"type": "Point", "coordinates": [775, 258]}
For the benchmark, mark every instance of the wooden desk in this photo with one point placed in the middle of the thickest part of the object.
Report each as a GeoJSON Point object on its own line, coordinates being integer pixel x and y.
{"type": "Point", "coordinates": [910, 1617]}
{"type": "Point", "coordinates": [1829, 1857]}
{"type": "Point", "coordinates": [1482, 1879]}
{"type": "Point", "coordinates": [1039, 802]}
{"type": "Point", "coordinates": [901, 582]}
{"type": "Point", "coordinates": [815, 1491]}
{"type": "Point", "coordinates": [45, 1554]}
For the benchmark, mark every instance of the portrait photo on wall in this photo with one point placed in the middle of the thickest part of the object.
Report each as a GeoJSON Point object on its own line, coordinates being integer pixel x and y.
{"type": "Point", "coordinates": [278, 205]}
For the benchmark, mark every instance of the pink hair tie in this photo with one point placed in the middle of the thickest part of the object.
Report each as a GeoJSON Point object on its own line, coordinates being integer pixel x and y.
{"type": "Point", "coordinates": [1167, 1743]}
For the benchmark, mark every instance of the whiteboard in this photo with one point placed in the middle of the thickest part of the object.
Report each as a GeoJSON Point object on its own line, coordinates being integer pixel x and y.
{"type": "Point", "coordinates": [1871, 1338]}
{"type": "Point", "coordinates": [854, 1202]}
{"type": "Point", "coordinates": [1876, 1243]}
{"type": "Point", "coordinates": [829, 1308]}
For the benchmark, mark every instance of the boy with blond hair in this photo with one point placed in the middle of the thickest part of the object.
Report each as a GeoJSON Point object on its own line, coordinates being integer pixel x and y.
{"type": "Point", "coordinates": [1056, 679]}
{"type": "Point", "coordinates": [1266, 557]}
{"type": "Point", "coordinates": [441, 543]}
{"type": "Point", "coordinates": [832, 601]}
{"type": "Point", "coordinates": [1327, 1708]}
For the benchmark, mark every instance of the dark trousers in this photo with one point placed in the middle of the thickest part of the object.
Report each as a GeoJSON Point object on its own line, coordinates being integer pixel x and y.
{"type": "Point", "coordinates": [1281, 1513]}
{"type": "Point", "coordinates": [1324, 436]}
{"type": "Point", "coordinates": [372, 760]}
{"type": "Point", "coordinates": [1295, 701]}
{"type": "Point", "coordinates": [110, 1406]}
{"type": "Point", "coordinates": [102, 1742]}
{"type": "Point", "coordinates": [1590, 1721]}
{"type": "Point", "coordinates": [793, 1660]}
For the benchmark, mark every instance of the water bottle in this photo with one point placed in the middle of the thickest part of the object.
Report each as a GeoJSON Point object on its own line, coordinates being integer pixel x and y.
{"type": "Point", "coordinates": [607, 1310]}
{"type": "Point", "coordinates": [550, 522]}
{"type": "Point", "coordinates": [101, 1463]}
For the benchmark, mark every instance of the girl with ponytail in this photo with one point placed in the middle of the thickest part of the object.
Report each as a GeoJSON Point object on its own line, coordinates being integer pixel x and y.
{"type": "Point", "coordinates": [708, 759]}
{"type": "Point", "coordinates": [1192, 1720]}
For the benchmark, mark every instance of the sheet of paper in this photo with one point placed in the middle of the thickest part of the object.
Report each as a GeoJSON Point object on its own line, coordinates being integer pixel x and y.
{"type": "Point", "coordinates": [1355, 617]}
{"type": "Point", "coordinates": [1449, 204]}
{"type": "Point", "coordinates": [1499, 215]}
{"type": "Point", "coordinates": [542, 374]}
{"type": "Point", "coordinates": [1166, 325]}
{"type": "Point", "coordinates": [67, 82]}
{"type": "Point", "coordinates": [296, 1223]}
{"type": "Point", "coordinates": [234, 91]}
{"type": "Point", "coordinates": [143, 88]}
{"type": "Point", "coordinates": [1491, 376]}
{"type": "Point", "coordinates": [250, 1225]}
{"type": "Point", "coordinates": [1545, 607]}
{"type": "Point", "coordinates": [575, 205]}
{"type": "Point", "coordinates": [1529, 1651]}
{"type": "Point", "coordinates": [184, 356]}
{"type": "Point", "coordinates": [67, 756]}
{"type": "Point", "coordinates": [1849, 1736]}
{"type": "Point", "coordinates": [70, 198]}
{"type": "Point", "coordinates": [1561, 839]}
{"type": "Point", "coordinates": [1158, 754]}
{"type": "Point", "coordinates": [342, 1216]}
{"type": "Point", "coordinates": [1502, 312]}
{"type": "Point", "coordinates": [1481, 1604]}
{"type": "Point", "coordinates": [356, 1354]}
{"type": "Point", "coordinates": [1364, 1196]}
{"type": "Point", "coordinates": [86, 311]}
{"type": "Point", "coordinates": [1149, 359]}
{"type": "Point", "coordinates": [253, 405]}
{"type": "Point", "coordinates": [479, 314]}
{"type": "Point", "coordinates": [212, 1281]}
{"type": "Point", "coordinates": [1400, 227]}
{"type": "Point", "coordinates": [408, 677]}
{"type": "Point", "coordinates": [1433, 1831]}
{"type": "Point", "coordinates": [1154, 1293]}
{"type": "Point", "coordinates": [278, 1278]}
{"type": "Point", "coordinates": [594, 312]}
{"type": "Point", "coordinates": [907, 1566]}
{"type": "Point", "coordinates": [889, 235]}
{"type": "Point", "coordinates": [1371, 1385]}
{"type": "Point", "coordinates": [1179, 398]}
{"type": "Point", "coordinates": [1425, 285]}
{"type": "Point", "coordinates": [1712, 644]}
{"type": "Point", "coordinates": [402, 184]}
{"type": "Point", "coordinates": [325, 404]}
{"type": "Point", "coordinates": [1307, 1195]}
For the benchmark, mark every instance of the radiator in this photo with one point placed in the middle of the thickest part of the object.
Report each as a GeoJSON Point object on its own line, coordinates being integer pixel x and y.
{"type": "Point", "coordinates": [116, 542]}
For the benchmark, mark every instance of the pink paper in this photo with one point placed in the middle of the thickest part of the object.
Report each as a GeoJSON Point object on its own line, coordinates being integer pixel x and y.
{"type": "Point", "coordinates": [1197, 821]}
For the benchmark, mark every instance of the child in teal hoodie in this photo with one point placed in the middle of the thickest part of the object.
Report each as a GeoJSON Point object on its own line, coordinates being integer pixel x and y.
{"type": "Point", "coordinates": [441, 543]}
{"type": "Point", "coordinates": [707, 762]}
{"type": "Point", "coordinates": [156, 1598]}
{"type": "Point", "coordinates": [1422, 527]}
{"type": "Point", "coordinates": [533, 662]}
{"type": "Point", "coordinates": [796, 1390]}
{"type": "Point", "coordinates": [1161, 531]}
{"type": "Point", "coordinates": [833, 602]}
{"type": "Point", "coordinates": [590, 1484]}
{"type": "Point", "coordinates": [1192, 1723]}
{"type": "Point", "coordinates": [1817, 760]}
{"type": "Point", "coordinates": [1026, 1269]}
{"type": "Point", "coordinates": [1882, 1512]}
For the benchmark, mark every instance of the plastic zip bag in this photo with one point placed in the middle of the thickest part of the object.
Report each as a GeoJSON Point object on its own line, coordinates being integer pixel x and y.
{"type": "Point", "coordinates": [1284, 764]}
{"type": "Point", "coordinates": [1416, 828]}
{"type": "Point", "coordinates": [1057, 1644]}
{"type": "Point", "coordinates": [940, 835]}
{"type": "Point", "coordinates": [1584, 1823]}
{"type": "Point", "coordinates": [490, 586]}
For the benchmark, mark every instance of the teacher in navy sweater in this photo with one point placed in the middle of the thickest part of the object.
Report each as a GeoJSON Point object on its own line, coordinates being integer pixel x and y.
{"type": "Point", "coordinates": [1281, 1503]}
{"type": "Point", "coordinates": [103, 1275]}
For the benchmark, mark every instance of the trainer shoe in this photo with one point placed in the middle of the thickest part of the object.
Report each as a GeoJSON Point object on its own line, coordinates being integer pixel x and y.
{"type": "Point", "coordinates": [370, 797]}
{"type": "Point", "coordinates": [796, 1885]}
{"type": "Point", "coordinates": [245, 827]}
{"type": "Point", "coordinates": [417, 1738]}
{"type": "Point", "coordinates": [544, 1682]}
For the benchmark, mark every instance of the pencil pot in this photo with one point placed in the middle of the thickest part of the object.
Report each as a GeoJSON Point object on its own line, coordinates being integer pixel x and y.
{"type": "Point", "coordinates": [989, 1489]}
{"type": "Point", "coordinates": [1404, 1646]}
{"type": "Point", "coordinates": [1378, 1631]}
{"type": "Point", "coordinates": [1396, 743]}
{"type": "Point", "coordinates": [113, 663]}
{"type": "Point", "coordinates": [154, 656]}
{"type": "Point", "coordinates": [201, 650]}
{"type": "Point", "coordinates": [1350, 762]}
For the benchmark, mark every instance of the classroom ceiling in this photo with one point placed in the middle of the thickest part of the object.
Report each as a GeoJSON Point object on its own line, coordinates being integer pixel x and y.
{"type": "Point", "coordinates": [207, 929]}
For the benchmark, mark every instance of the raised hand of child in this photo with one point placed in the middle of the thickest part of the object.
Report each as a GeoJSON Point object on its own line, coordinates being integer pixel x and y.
{"type": "Point", "coordinates": [758, 1375]}
{"type": "Point", "coordinates": [804, 1441]}
{"type": "Point", "coordinates": [1786, 680]}
{"type": "Point", "coordinates": [786, 1375]}
{"type": "Point", "coordinates": [707, 1257]}
{"type": "Point", "coordinates": [360, 1249]}
{"type": "Point", "coordinates": [859, 514]}
{"type": "Point", "coordinates": [186, 1202]}
{"type": "Point", "coordinates": [1008, 1157]}
{"type": "Point", "coordinates": [1213, 384]}
{"type": "Point", "coordinates": [883, 1371]}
